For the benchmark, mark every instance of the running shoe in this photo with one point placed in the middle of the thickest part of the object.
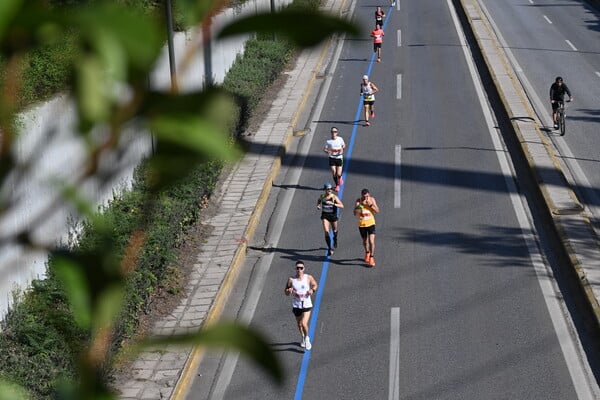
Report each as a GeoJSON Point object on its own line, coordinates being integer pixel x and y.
{"type": "Point", "coordinates": [367, 257]}
{"type": "Point", "coordinates": [372, 262]}
{"type": "Point", "coordinates": [555, 126]}
{"type": "Point", "coordinates": [307, 343]}
{"type": "Point", "coordinates": [337, 188]}
{"type": "Point", "coordinates": [303, 342]}
{"type": "Point", "coordinates": [335, 241]}
{"type": "Point", "coordinates": [372, 114]}
{"type": "Point", "coordinates": [341, 181]}
{"type": "Point", "coordinates": [367, 123]}
{"type": "Point", "coordinates": [330, 252]}
{"type": "Point", "coordinates": [379, 60]}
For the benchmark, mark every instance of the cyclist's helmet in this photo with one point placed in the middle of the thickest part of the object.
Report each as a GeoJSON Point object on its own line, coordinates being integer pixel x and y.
{"type": "Point", "coordinates": [558, 79]}
{"type": "Point", "coordinates": [327, 185]}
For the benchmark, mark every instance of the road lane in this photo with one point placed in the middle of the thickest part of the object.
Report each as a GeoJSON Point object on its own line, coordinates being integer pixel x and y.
{"type": "Point", "coordinates": [452, 258]}
{"type": "Point", "coordinates": [569, 47]}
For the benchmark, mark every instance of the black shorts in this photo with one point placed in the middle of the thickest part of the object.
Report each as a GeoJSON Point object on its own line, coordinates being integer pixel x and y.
{"type": "Point", "coordinates": [376, 46]}
{"type": "Point", "coordinates": [330, 218]}
{"type": "Point", "coordinates": [555, 105]}
{"type": "Point", "coordinates": [336, 162]}
{"type": "Point", "coordinates": [368, 102]}
{"type": "Point", "coordinates": [299, 311]}
{"type": "Point", "coordinates": [366, 231]}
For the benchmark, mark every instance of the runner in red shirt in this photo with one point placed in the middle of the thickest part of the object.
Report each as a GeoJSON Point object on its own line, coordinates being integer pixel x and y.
{"type": "Point", "coordinates": [377, 35]}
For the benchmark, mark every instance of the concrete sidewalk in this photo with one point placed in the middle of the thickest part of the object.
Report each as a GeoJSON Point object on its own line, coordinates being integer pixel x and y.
{"type": "Point", "coordinates": [167, 373]}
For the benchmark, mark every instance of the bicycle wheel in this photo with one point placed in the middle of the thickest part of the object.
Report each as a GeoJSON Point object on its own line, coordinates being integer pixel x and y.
{"type": "Point", "coordinates": [561, 122]}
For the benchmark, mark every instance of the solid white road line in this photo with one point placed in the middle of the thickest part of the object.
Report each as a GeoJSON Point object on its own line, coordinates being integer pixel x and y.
{"type": "Point", "coordinates": [399, 38]}
{"type": "Point", "coordinates": [394, 380]}
{"type": "Point", "coordinates": [578, 370]}
{"type": "Point", "coordinates": [397, 177]}
{"type": "Point", "coordinates": [547, 19]}
{"type": "Point", "coordinates": [399, 86]}
{"type": "Point", "coordinates": [571, 45]}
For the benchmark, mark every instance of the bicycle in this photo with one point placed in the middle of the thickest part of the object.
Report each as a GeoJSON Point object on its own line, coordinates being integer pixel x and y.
{"type": "Point", "coordinates": [561, 116]}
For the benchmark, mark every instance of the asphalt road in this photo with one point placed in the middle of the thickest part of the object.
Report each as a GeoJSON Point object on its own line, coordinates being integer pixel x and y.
{"type": "Point", "coordinates": [460, 305]}
{"type": "Point", "coordinates": [549, 39]}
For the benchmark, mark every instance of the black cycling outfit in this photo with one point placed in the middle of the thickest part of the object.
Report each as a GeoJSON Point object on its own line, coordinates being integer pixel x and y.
{"type": "Point", "coordinates": [557, 94]}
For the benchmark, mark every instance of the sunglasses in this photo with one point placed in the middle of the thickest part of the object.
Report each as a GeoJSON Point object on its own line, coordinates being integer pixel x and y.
{"type": "Point", "coordinates": [300, 268]}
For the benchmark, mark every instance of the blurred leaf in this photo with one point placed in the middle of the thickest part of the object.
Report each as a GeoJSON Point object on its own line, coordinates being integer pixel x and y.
{"type": "Point", "coordinates": [8, 10]}
{"type": "Point", "coordinates": [140, 36]}
{"type": "Point", "coordinates": [11, 391]}
{"type": "Point", "coordinates": [231, 336]}
{"type": "Point", "coordinates": [76, 288]}
{"type": "Point", "coordinates": [109, 305]}
{"type": "Point", "coordinates": [299, 26]}
{"type": "Point", "coordinates": [194, 133]}
{"type": "Point", "coordinates": [92, 94]}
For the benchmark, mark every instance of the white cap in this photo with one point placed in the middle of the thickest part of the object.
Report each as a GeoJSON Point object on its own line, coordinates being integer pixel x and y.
{"type": "Point", "coordinates": [365, 76]}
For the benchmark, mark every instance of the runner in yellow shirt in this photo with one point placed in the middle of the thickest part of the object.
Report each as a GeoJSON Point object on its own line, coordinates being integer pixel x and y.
{"type": "Point", "coordinates": [365, 209]}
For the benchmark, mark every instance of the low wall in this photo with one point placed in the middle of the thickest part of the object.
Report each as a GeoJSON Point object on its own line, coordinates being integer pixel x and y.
{"type": "Point", "coordinates": [50, 151]}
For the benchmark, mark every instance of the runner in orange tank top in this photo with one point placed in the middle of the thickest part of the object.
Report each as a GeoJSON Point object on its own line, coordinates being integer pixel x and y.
{"type": "Point", "coordinates": [377, 35]}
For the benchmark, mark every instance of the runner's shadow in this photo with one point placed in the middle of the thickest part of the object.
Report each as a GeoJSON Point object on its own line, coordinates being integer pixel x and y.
{"type": "Point", "coordinates": [298, 187]}
{"type": "Point", "coordinates": [339, 122]}
{"type": "Point", "coordinates": [348, 262]}
{"type": "Point", "coordinates": [293, 347]}
{"type": "Point", "coordinates": [291, 254]}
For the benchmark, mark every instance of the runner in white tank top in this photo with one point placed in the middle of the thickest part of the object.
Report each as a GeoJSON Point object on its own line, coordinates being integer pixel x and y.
{"type": "Point", "coordinates": [301, 287]}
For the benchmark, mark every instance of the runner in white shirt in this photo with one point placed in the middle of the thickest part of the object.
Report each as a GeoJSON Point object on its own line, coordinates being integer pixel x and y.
{"type": "Point", "coordinates": [301, 286]}
{"type": "Point", "coordinates": [334, 148]}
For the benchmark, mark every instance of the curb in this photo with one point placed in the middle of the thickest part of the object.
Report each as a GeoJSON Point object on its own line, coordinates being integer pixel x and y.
{"type": "Point", "coordinates": [192, 364]}
{"type": "Point", "coordinates": [474, 14]}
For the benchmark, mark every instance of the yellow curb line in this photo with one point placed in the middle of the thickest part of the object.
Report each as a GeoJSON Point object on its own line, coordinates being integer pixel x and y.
{"type": "Point", "coordinates": [214, 313]}
{"type": "Point", "coordinates": [575, 263]}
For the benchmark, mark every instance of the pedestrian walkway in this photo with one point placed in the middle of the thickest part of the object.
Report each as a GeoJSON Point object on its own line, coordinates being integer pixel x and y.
{"type": "Point", "coordinates": [164, 373]}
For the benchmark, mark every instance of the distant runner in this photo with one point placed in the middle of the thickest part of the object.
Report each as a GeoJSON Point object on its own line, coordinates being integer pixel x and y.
{"type": "Point", "coordinates": [377, 35]}
{"type": "Point", "coordinates": [334, 148]}
{"type": "Point", "coordinates": [367, 91]}
{"type": "Point", "coordinates": [329, 203]}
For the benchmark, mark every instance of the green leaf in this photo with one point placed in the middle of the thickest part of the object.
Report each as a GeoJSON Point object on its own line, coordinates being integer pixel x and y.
{"type": "Point", "coordinates": [11, 391]}
{"type": "Point", "coordinates": [194, 133]}
{"type": "Point", "coordinates": [230, 336]}
{"type": "Point", "coordinates": [92, 93]}
{"type": "Point", "coordinates": [72, 276]}
{"type": "Point", "coordinates": [299, 26]}
{"type": "Point", "coordinates": [8, 10]}
{"type": "Point", "coordinates": [109, 304]}
{"type": "Point", "coordinates": [140, 36]}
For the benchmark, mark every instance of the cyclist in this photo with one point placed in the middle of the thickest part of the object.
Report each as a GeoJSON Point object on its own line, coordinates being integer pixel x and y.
{"type": "Point", "coordinates": [367, 91]}
{"type": "Point", "coordinates": [329, 203]}
{"type": "Point", "coordinates": [334, 148]}
{"type": "Point", "coordinates": [557, 95]}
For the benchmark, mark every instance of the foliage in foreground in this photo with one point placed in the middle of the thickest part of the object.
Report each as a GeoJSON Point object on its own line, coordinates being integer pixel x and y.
{"type": "Point", "coordinates": [67, 327]}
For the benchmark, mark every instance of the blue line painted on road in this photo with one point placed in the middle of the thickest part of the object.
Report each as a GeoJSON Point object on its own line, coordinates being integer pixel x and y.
{"type": "Point", "coordinates": [317, 304]}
